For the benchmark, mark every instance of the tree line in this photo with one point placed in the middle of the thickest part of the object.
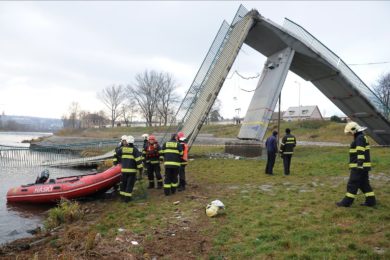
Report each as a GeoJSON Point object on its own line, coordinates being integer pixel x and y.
{"type": "Point", "coordinates": [153, 96]}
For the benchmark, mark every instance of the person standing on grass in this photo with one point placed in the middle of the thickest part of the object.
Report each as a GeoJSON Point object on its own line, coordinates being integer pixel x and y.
{"type": "Point", "coordinates": [360, 165]}
{"type": "Point", "coordinates": [144, 161]}
{"type": "Point", "coordinates": [171, 151]}
{"type": "Point", "coordinates": [287, 149]}
{"type": "Point", "coordinates": [131, 160]}
{"type": "Point", "coordinates": [272, 148]}
{"type": "Point", "coordinates": [151, 154]}
{"type": "Point", "coordinates": [116, 158]}
{"type": "Point", "coordinates": [184, 161]}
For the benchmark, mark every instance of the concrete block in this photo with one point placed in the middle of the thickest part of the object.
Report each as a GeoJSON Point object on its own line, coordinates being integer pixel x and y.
{"type": "Point", "coordinates": [245, 148]}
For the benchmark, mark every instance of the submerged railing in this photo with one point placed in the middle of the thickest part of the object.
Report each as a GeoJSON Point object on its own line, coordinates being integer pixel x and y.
{"type": "Point", "coordinates": [65, 155]}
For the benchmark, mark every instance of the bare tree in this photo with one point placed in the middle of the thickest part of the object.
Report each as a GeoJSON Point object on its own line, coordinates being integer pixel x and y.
{"type": "Point", "coordinates": [382, 90]}
{"type": "Point", "coordinates": [127, 112]}
{"type": "Point", "coordinates": [167, 97]}
{"type": "Point", "coordinates": [145, 93]}
{"type": "Point", "coordinates": [112, 97]}
{"type": "Point", "coordinates": [74, 110]}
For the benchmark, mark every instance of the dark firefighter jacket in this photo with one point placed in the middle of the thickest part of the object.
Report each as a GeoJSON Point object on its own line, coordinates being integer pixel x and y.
{"type": "Point", "coordinates": [359, 152]}
{"type": "Point", "coordinates": [172, 152]}
{"type": "Point", "coordinates": [131, 158]}
{"type": "Point", "coordinates": [288, 144]}
{"type": "Point", "coordinates": [117, 159]}
{"type": "Point", "coordinates": [151, 153]}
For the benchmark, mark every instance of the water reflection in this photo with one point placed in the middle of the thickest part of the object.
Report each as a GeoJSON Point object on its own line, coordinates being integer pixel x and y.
{"type": "Point", "coordinates": [17, 219]}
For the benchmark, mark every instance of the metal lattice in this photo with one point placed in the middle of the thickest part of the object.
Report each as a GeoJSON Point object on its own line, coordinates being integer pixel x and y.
{"type": "Point", "coordinates": [66, 155]}
{"type": "Point", "coordinates": [198, 85]}
{"type": "Point", "coordinates": [338, 63]}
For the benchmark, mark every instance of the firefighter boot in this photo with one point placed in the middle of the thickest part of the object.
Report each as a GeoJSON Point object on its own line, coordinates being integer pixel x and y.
{"type": "Point", "coordinates": [370, 201]}
{"type": "Point", "coordinates": [151, 184]}
{"type": "Point", "coordinates": [159, 184]}
{"type": "Point", "coordinates": [167, 191]}
{"type": "Point", "coordinates": [346, 202]}
{"type": "Point", "coordinates": [182, 185]}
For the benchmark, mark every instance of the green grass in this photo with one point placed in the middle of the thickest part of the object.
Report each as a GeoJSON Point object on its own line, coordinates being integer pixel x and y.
{"type": "Point", "coordinates": [304, 130]}
{"type": "Point", "coordinates": [274, 217]}
{"type": "Point", "coordinates": [66, 212]}
{"type": "Point", "coordinates": [278, 217]}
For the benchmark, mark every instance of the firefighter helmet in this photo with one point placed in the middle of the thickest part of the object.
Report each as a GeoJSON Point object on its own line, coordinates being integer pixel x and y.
{"type": "Point", "coordinates": [145, 136]}
{"type": "Point", "coordinates": [123, 137]}
{"type": "Point", "coordinates": [130, 139]}
{"type": "Point", "coordinates": [211, 210]}
{"type": "Point", "coordinates": [353, 128]}
{"type": "Point", "coordinates": [181, 136]}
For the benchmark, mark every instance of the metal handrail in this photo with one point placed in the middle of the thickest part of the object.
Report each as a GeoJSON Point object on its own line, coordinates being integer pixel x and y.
{"type": "Point", "coordinates": [302, 34]}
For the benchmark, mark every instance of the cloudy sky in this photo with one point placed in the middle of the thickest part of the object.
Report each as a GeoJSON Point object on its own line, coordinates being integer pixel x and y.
{"type": "Point", "coordinates": [55, 53]}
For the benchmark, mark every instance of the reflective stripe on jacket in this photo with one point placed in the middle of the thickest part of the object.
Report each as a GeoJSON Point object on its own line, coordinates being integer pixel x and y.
{"type": "Point", "coordinates": [288, 144]}
{"type": "Point", "coordinates": [131, 158]}
{"type": "Point", "coordinates": [359, 152]}
{"type": "Point", "coordinates": [172, 152]}
{"type": "Point", "coordinates": [116, 158]}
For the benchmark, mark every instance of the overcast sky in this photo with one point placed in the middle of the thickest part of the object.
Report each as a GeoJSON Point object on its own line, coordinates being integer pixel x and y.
{"type": "Point", "coordinates": [54, 53]}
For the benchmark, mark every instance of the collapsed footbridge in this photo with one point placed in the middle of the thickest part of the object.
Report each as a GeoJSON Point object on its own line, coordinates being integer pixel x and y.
{"type": "Point", "coordinates": [287, 47]}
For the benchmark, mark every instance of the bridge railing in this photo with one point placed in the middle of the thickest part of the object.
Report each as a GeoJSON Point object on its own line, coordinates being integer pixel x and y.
{"type": "Point", "coordinates": [53, 155]}
{"type": "Point", "coordinates": [338, 63]}
{"type": "Point", "coordinates": [202, 75]}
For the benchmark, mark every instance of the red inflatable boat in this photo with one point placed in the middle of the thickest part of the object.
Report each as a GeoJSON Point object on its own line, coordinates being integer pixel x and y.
{"type": "Point", "coordinates": [65, 187]}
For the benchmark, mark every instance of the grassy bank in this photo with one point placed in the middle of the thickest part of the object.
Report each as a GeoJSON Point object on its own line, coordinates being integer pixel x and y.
{"type": "Point", "coordinates": [304, 130]}
{"type": "Point", "coordinates": [266, 217]}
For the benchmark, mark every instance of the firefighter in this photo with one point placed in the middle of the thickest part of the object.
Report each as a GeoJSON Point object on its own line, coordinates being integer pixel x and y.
{"type": "Point", "coordinates": [184, 161]}
{"type": "Point", "coordinates": [171, 152]}
{"type": "Point", "coordinates": [359, 165]}
{"type": "Point", "coordinates": [117, 159]}
{"type": "Point", "coordinates": [287, 149]}
{"type": "Point", "coordinates": [131, 160]}
{"type": "Point", "coordinates": [145, 144]}
{"type": "Point", "coordinates": [151, 153]}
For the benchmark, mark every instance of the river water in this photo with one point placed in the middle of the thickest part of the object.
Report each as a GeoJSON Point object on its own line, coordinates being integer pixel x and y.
{"type": "Point", "coordinates": [16, 220]}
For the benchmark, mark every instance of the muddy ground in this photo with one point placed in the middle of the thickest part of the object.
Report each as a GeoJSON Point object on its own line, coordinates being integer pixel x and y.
{"type": "Point", "coordinates": [180, 238]}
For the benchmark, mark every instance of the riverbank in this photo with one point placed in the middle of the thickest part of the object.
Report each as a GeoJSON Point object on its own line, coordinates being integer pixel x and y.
{"type": "Point", "coordinates": [273, 217]}
{"type": "Point", "coordinates": [307, 131]}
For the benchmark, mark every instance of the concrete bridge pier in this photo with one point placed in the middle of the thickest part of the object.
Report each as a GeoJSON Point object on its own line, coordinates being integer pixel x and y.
{"type": "Point", "coordinates": [245, 148]}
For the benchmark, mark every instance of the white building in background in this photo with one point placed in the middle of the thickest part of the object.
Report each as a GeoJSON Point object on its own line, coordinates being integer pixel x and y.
{"type": "Point", "coordinates": [302, 113]}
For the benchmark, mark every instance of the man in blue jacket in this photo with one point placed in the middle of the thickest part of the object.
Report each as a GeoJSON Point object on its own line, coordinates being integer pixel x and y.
{"type": "Point", "coordinates": [272, 148]}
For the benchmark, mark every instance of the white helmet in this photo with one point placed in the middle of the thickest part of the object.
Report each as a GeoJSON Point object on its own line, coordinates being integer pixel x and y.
{"type": "Point", "coordinates": [145, 136]}
{"type": "Point", "coordinates": [123, 137]}
{"type": "Point", "coordinates": [211, 210]}
{"type": "Point", "coordinates": [353, 128]}
{"type": "Point", "coordinates": [130, 139]}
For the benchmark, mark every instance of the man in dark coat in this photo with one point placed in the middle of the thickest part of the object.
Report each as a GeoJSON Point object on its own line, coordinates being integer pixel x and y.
{"type": "Point", "coordinates": [272, 148]}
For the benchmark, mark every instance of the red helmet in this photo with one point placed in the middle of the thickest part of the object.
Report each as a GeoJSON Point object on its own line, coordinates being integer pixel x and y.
{"type": "Point", "coordinates": [152, 138]}
{"type": "Point", "coordinates": [180, 135]}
